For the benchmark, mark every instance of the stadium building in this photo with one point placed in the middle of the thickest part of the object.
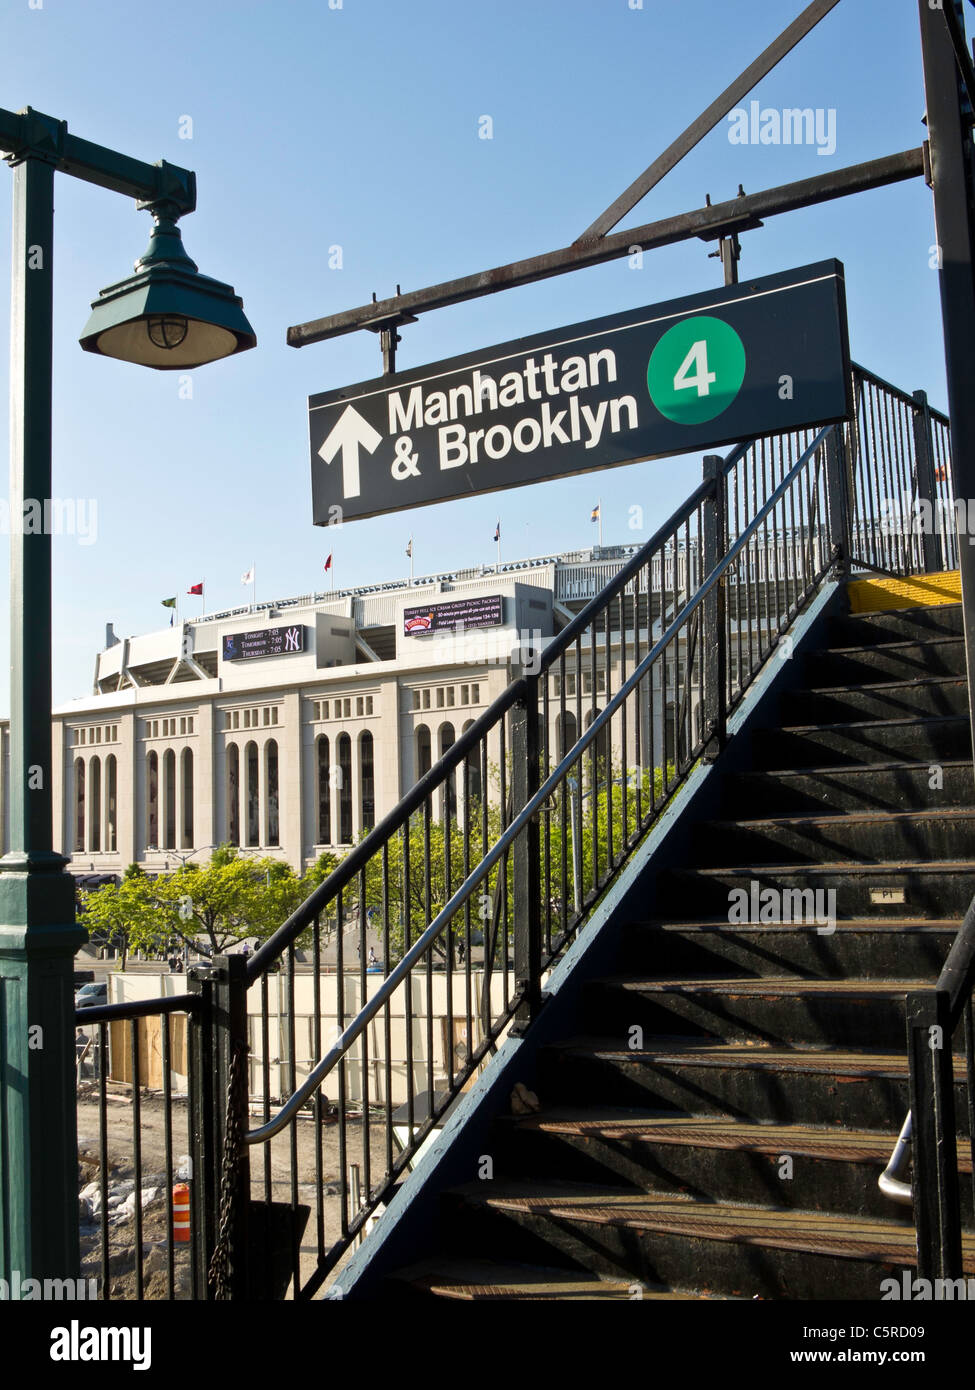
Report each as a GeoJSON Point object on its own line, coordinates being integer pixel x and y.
{"type": "Point", "coordinates": [290, 727]}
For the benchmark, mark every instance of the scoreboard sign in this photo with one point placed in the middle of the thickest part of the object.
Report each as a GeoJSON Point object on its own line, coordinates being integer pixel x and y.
{"type": "Point", "coordinates": [448, 617]}
{"type": "Point", "coordinates": [266, 641]}
{"type": "Point", "coordinates": [763, 357]}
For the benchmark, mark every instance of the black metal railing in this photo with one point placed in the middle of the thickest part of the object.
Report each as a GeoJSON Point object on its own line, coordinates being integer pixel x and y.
{"type": "Point", "coordinates": [478, 890]}
{"type": "Point", "coordinates": [938, 1019]}
{"type": "Point", "coordinates": [139, 1083]}
{"type": "Point", "coordinates": [902, 506]}
{"type": "Point", "coordinates": [471, 889]}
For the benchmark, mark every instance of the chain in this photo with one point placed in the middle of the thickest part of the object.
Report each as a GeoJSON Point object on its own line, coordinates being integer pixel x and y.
{"type": "Point", "coordinates": [221, 1264]}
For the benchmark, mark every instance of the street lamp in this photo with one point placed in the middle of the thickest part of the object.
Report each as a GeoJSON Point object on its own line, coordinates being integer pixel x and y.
{"type": "Point", "coordinates": [166, 315]}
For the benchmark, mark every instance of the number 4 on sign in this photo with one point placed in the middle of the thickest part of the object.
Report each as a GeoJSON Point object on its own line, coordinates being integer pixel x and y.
{"type": "Point", "coordinates": [701, 378]}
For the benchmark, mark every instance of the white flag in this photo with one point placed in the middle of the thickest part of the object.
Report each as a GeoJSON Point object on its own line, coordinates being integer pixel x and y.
{"type": "Point", "coordinates": [248, 578]}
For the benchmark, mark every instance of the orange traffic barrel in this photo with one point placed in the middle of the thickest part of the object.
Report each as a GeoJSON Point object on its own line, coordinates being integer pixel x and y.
{"type": "Point", "coordinates": [181, 1212]}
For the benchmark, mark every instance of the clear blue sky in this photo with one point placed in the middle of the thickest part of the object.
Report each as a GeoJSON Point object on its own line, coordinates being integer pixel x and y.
{"type": "Point", "coordinates": [358, 126]}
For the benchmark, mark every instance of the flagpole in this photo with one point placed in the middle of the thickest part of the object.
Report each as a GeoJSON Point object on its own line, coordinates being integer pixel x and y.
{"type": "Point", "coordinates": [254, 584]}
{"type": "Point", "coordinates": [411, 562]}
{"type": "Point", "coordinates": [498, 532]}
{"type": "Point", "coordinates": [599, 504]}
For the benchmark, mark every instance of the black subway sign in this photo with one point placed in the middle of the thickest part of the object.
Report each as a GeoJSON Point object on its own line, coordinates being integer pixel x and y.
{"type": "Point", "coordinates": [758, 358]}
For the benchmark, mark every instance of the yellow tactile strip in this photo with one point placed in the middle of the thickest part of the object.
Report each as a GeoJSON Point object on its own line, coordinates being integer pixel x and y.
{"type": "Point", "coordinates": [914, 591]}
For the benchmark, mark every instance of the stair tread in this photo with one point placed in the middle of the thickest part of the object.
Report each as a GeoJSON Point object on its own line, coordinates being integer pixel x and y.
{"type": "Point", "coordinates": [846, 725]}
{"type": "Point", "coordinates": [874, 687]}
{"type": "Point", "coordinates": [925, 641]}
{"type": "Point", "coordinates": [476, 1280]}
{"type": "Point", "coordinates": [840, 818]}
{"type": "Point", "coordinates": [705, 1052]}
{"type": "Point", "coordinates": [838, 866]}
{"type": "Point", "coordinates": [711, 1131]}
{"type": "Point", "coordinates": [761, 985]}
{"type": "Point", "coordinates": [859, 924]}
{"type": "Point", "coordinates": [721, 1132]}
{"type": "Point", "coordinates": [815, 1232]}
{"type": "Point", "coordinates": [831, 769]}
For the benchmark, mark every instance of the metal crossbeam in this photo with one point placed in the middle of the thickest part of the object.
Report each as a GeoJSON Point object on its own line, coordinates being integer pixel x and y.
{"type": "Point", "coordinates": [718, 219]}
{"type": "Point", "coordinates": [32, 133]}
{"type": "Point", "coordinates": [708, 119]}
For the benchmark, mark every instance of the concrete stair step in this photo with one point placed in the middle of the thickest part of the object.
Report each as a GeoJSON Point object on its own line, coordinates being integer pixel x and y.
{"type": "Point", "coordinates": [815, 1085]}
{"type": "Point", "coordinates": [904, 660]}
{"type": "Point", "coordinates": [485, 1281]}
{"type": "Point", "coordinates": [896, 625]}
{"type": "Point", "coordinates": [865, 741]}
{"type": "Point", "coordinates": [819, 1168]}
{"type": "Point", "coordinates": [946, 833]}
{"type": "Point", "coordinates": [746, 1251]}
{"type": "Point", "coordinates": [936, 695]}
{"type": "Point", "coordinates": [863, 949]}
{"type": "Point", "coordinates": [802, 892]}
{"type": "Point", "coordinates": [835, 1013]}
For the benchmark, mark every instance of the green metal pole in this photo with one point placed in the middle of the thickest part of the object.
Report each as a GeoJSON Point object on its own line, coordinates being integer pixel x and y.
{"type": "Point", "coordinates": [38, 933]}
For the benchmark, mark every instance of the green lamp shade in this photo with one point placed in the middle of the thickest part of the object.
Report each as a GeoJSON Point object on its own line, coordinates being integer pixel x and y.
{"type": "Point", "coordinates": [169, 318]}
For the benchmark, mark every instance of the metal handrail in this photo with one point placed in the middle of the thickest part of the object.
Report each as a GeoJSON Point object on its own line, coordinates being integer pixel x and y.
{"type": "Point", "coordinates": [382, 996]}
{"type": "Point", "coordinates": [957, 980]}
{"type": "Point", "coordinates": [139, 1008]}
{"type": "Point", "coordinates": [304, 915]}
{"type": "Point", "coordinates": [896, 391]}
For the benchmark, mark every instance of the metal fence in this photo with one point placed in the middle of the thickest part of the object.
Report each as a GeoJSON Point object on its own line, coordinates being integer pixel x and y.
{"type": "Point", "coordinates": [487, 870]}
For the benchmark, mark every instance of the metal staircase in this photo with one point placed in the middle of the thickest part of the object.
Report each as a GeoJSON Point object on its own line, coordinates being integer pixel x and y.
{"type": "Point", "coordinates": [718, 1122]}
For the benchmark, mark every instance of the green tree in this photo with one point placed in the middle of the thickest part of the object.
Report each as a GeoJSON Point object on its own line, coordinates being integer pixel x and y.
{"type": "Point", "coordinates": [211, 906]}
{"type": "Point", "coordinates": [124, 914]}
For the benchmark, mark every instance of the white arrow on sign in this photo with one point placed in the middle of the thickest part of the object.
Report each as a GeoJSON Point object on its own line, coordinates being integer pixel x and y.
{"type": "Point", "coordinates": [350, 431]}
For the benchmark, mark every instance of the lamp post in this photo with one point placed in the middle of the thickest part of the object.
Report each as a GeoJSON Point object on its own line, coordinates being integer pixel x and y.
{"type": "Point", "coordinates": [166, 316]}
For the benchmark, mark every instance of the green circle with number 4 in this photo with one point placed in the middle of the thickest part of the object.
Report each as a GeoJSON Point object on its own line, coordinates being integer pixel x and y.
{"type": "Point", "coordinates": [696, 370]}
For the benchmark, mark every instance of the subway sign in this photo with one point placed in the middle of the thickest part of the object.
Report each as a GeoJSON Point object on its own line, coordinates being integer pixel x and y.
{"type": "Point", "coordinates": [763, 357]}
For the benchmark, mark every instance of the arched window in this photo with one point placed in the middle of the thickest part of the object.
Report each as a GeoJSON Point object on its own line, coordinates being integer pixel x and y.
{"type": "Point", "coordinates": [601, 745]}
{"type": "Point", "coordinates": [324, 792]}
{"type": "Point", "coordinates": [169, 783]}
{"type": "Point", "coordinates": [446, 739]}
{"type": "Point", "coordinates": [367, 781]}
{"type": "Point", "coordinates": [111, 803]}
{"type": "Point", "coordinates": [344, 749]}
{"type": "Point", "coordinates": [79, 809]}
{"type": "Point", "coordinates": [95, 804]}
{"type": "Point", "coordinates": [186, 840]}
{"type": "Point", "coordinates": [252, 766]}
{"type": "Point", "coordinates": [422, 737]}
{"type": "Point", "coordinates": [271, 765]}
{"type": "Point", "coordinates": [233, 794]}
{"type": "Point", "coordinates": [566, 733]}
{"type": "Point", "coordinates": [152, 800]}
{"type": "Point", "coordinates": [473, 762]}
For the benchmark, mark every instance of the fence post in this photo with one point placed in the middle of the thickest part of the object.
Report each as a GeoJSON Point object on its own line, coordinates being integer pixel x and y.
{"type": "Point", "coordinates": [838, 501]}
{"type": "Point", "coordinates": [926, 490]}
{"type": "Point", "coordinates": [525, 781]}
{"type": "Point", "coordinates": [203, 1142]}
{"type": "Point", "coordinates": [228, 1267]}
{"type": "Point", "coordinates": [713, 635]}
{"type": "Point", "coordinates": [935, 1170]}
